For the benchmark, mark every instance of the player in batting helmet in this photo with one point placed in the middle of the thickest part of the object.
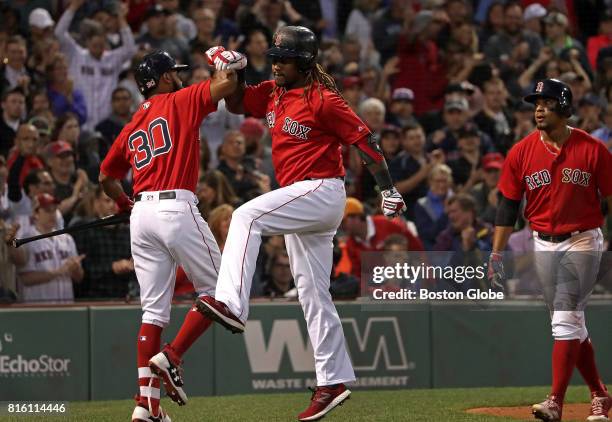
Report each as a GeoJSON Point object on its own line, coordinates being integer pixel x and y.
{"type": "Point", "coordinates": [553, 89]}
{"type": "Point", "coordinates": [295, 42]}
{"type": "Point", "coordinates": [294, 60]}
{"type": "Point", "coordinates": [153, 67]}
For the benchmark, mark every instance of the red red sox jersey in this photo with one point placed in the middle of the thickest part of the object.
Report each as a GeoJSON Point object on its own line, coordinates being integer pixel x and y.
{"type": "Point", "coordinates": [563, 188]}
{"type": "Point", "coordinates": [307, 130]}
{"type": "Point", "coordinates": [162, 142]}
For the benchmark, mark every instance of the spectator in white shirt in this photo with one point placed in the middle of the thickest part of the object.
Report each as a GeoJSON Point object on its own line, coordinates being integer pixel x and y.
{"type": "Point", "coordinates": [48, 266]}
{"type": "Point", "coordinates": [95, 68]}
{"type": "Point", "coordinates": [359, 24]}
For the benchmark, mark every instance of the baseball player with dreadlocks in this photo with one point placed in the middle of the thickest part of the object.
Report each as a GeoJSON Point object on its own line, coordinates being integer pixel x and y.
{"type": "Point", "coordinates": [309, 122]}
{"type": "Point", "coordinates": [563, 172]}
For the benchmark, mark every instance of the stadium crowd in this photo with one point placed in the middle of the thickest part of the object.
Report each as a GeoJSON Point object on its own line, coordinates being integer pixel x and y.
{"type": "Point", "coordinates": [439, 82]}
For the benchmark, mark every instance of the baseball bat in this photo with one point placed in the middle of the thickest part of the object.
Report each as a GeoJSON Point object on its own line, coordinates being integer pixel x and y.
{"type": "Point", "coordinates": [109, 220]}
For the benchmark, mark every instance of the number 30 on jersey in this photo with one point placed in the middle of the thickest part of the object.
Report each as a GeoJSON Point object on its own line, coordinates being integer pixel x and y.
{"type": "Point", "coordinates": [147, 144]}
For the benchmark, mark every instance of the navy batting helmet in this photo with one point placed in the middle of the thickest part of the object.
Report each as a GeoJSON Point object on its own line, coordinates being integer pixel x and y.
{"type": "Point", "coordinates": [556, 90]}
{"type": "Point", "coordinates": [296, 42]}
{"type": "Point", "coordinates": [152, 67]}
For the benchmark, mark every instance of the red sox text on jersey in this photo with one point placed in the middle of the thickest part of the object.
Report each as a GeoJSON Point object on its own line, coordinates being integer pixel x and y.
{"type": "Point", "coordinates": [568, 175]}
{"type": "Point", "coordinates": [321, 115]}
{"type": "Point", "coordinates": [294, 128]}
{"type": "Point", "coordinates": [47, 255]}
{"type": "Point", "coordinates": [563, 190]}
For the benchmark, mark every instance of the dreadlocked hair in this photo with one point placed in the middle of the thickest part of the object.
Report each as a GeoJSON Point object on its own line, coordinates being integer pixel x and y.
{"type": "Point", "coordinates": [318, 74]}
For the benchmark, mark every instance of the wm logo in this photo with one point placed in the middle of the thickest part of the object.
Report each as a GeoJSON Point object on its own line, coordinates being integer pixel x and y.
{"type": "Point", "coordinates": [285, 334]}
{"type": "Point", "coordinates": [381, 341]}
{"type": "Point", "coordinates": [376, 345]}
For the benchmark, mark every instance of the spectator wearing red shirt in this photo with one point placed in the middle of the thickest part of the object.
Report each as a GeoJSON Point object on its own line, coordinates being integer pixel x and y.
{"type": "Point", "coordinates": [601, 40]}
{"type": "Point", "coordinates": [420, 66]}
{"type": "Point", "coordinates": [23, 158]}
{"type": "Point", "coordinates": [367, 233]}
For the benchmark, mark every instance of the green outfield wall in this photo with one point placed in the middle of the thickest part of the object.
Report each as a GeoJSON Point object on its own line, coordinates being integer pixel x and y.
{"type": "Point", "coordinates": [89, 352]}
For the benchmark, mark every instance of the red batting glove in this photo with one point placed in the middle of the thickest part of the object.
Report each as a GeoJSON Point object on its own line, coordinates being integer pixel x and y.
{"type": "Point", "coordinates": [212, 53]}
{"type": "Point", "coordinates": [124, 203]}
{"type": "Point", "coordinates": [230, 60]}
{"type": "Point", "coordinates": [392, 203]}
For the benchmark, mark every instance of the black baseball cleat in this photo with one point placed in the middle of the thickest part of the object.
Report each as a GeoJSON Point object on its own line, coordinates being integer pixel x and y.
{"type": "Point", "coordinates": [171, 374]}
{"type": "Point", "coordinates": [219, 312]}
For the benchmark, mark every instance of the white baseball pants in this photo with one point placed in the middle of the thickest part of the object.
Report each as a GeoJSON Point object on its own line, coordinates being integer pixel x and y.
{"type": "Point", "coordinates": [308, 213]}
{"type": "Point", "coordinates": [166, 233]}
{"type": "Point", "coordinates": [568, 272]}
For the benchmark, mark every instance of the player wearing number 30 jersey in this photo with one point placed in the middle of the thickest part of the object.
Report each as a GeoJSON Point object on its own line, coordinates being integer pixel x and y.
{"type": "Point", "coordinates": [161, 146]}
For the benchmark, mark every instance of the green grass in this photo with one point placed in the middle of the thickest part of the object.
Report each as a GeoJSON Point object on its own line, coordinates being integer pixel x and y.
{"type": "Point", "coordinates": [387, 406]}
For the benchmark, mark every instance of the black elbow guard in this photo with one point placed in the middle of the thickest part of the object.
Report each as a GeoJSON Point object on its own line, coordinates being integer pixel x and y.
{"type": "Point", "coordinates": [383, 178]}
{"type": "Point", "coordinates": [507, 212]}
{"type": "Point", "coordinates": [369, 150]}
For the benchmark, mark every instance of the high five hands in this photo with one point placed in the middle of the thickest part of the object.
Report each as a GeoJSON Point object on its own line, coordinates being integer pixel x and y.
{"type": "Point", "coordinates": [222, 59]}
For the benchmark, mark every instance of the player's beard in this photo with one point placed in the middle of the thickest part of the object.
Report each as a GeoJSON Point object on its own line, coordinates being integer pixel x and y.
{"type": "Point", "coordinates": [290, 84]}
{"type": "Point", "coordinates": [176, 85]}
{"type": "Point", "coordinates": [281, 81]}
